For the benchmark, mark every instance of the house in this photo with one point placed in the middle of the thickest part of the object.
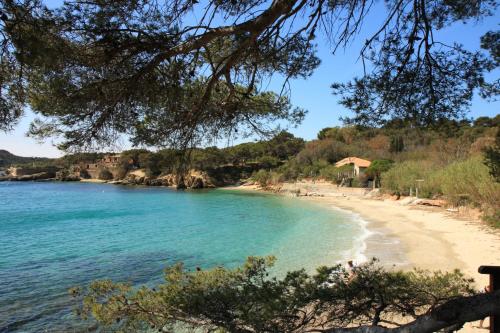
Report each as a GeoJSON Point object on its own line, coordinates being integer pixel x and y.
{"type": "Point", "coordinates": [111, 160]}
{"type": "Point", "coordinates": [359, 165]}
{"type": "Point", "coordinates": [108, 162]}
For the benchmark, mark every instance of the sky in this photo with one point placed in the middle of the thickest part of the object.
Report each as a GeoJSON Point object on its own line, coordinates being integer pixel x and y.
{"type": "Point", "coordinates": [312, 94]}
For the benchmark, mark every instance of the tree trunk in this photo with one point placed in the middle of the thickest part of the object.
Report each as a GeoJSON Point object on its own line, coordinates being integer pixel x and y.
{"type": "Point", "coordinates": [452, 313]}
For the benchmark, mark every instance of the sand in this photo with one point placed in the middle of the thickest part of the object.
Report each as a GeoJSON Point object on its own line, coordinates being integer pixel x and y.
{"type": "Point", "coordinates": [93, 180]}
{"type": "Point", "coordinates": [428, 238]}
{"type": "Point", "coordinates": [414, 236]}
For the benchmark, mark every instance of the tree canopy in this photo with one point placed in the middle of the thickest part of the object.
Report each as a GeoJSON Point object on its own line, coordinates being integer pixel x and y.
{"type": "Point", "coordinates": [181, 72]}
{"type": "Point", "coordinates": [251, 299]}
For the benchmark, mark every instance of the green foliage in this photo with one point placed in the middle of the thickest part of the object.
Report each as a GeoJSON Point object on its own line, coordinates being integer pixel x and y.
{"type": "Point", "coordinates": [266, 178]}
{"type": "Point", "coordinates": [492, 157]}
{"type": "Point", "coordinates": [461, 183]}
{"type": "Point", "coordinates": [268, 162]}
{"type": "Point", "coordinates": [7, 159]}
{"type": "Point", "coordinates": [493, 219]}
{"type": "Point", "coordinates": [77, 158]}
{"type": "Point", "coordinates": [251, 299]}
{"type": "Point", "coordinates": [204, 159]}
{"type": "Point", "coordinates": [334, 133]}
{"type": "Point", "coordinates": [403, 176]}
{"type": "Point", "coordinates": [376, 169]}
{"type": "Point", "coordinates": [470, 182]}
{"type": "Point", "coordinates": [330, 172]}
{"type": "Point", "coordinates": [397, 144]}
{"type": "Point", "coordinates": [327, 150]}
{"type": "Point", "coordinates": [284, 145]}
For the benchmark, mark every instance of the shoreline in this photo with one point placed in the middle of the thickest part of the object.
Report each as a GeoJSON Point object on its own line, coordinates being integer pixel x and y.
{"type": "Point", "coordinates": [404, 236]}
{"type": "Point", "coordinates": [425, 237]}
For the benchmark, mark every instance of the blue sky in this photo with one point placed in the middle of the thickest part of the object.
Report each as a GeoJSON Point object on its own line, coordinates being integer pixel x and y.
{"type": "Point", "coordinates": [313, 94]}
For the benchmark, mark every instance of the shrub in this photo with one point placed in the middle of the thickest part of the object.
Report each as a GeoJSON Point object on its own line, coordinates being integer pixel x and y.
{"type": "Point", "coordinates": [469, 181]}
{"type": "Point", "coordinates": [313, 170]}
{"type": "Point", "coordinates": [336, 174]}
{"type": "Point", "coordinates": [290, 170]}
{"type": "Point", "coordinates": [492, 158]}
{"type": "Point", "coordinates": [328, 150]}
{"type": "Point", "coordinates": [261, 177]}
{"type": "Point", "coordinates": [268, 162]}
{"type": "Point", "coordinates": [267, 178]}
{"type": "Point", "coordinates": [105, 174]}
{"type": "Point", "coordinates": [404, 176]}
{"type": "Point", "coordinates": [376, 168]}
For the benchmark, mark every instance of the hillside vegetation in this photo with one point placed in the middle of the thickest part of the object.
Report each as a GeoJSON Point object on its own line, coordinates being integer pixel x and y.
{"type": "Point", "coordinates": [457, 161]}
{"type": "Point", "coordinates": [8, 159]}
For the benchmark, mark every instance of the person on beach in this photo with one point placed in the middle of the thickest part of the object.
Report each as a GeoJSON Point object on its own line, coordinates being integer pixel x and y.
{"type": "Point", "coordinates": [351, 269]}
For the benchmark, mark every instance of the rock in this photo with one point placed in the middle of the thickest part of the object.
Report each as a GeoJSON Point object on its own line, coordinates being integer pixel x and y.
{"type": "Point", "coordinates": [431, 202]}
{"type": "Point", "coordinates": [36, 176]}
{"type": "Point", "coordinates": [373, 193]}
{"type": "Point", "coordinates": [197, 183]}
{"type": "Point", "coordinates": [407, 201]}
{"type": "Point", "coordinates": [65, 175]}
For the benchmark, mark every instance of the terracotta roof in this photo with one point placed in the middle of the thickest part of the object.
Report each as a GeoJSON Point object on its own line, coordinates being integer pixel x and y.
{"type": "Point", "coordinates": [354, 160]}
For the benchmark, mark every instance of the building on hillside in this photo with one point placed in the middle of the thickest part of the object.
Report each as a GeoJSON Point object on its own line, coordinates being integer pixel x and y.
{"type": "Point", "coordinates": [111, 160]}
{"type": "Point", "coordinates": [359, 165]}
{"type": "Point", "coordinates": [108, 162]}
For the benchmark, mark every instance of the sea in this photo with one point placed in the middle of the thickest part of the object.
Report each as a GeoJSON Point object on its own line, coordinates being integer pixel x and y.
{"type": "Point", "coordinates": [58, 235]}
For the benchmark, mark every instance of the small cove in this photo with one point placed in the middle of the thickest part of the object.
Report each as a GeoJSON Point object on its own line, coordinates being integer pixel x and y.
{"type": "Point", "coordinates": [58, 235]}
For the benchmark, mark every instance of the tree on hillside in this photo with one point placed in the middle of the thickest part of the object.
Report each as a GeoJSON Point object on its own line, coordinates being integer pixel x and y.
{"type": "Point", "coordinates": [248, 299]}
{"type": "Point", "coordinates": [376, 169]}
{"type": "Point", "coordinates": [397, 144]}
{"type": "Point", "coordinates": [284, 145]}
{"type": "Point", "coordinates": [177, 72]}
{"type": "Point", "coordinates": [492, 157]}
{"type": "Point", "coordinates": [334, 133]}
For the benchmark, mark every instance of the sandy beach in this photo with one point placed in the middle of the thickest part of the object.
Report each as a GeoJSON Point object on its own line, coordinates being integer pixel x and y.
{"type": "Point", "coordinates": [429, 238]}
{"type": "Point", "coordinates": [407, 236]}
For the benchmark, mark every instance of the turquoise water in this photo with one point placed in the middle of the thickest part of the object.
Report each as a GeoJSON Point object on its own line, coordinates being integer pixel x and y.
{"type": "Point", "coordinates": [57, 235]}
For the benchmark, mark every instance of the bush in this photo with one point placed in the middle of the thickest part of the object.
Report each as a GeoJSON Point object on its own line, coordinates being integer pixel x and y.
{"type": "Point", "coordinates": [376, 168]}
{"type": "Point", "coordinates": [336, 174]}
{"type": "Point", "coordinates": [268, 162]}
{"type": "Point", "coordinates": [290, 170]}
{"type": "Point", "coordinates": [105, 174]}
{"type": "Point", "coordinates": [493, 219]}
{"type": "Point", "coordinates": [403, 176]}
{"type": "Point", "coordinates": [492, 158]}
{"type": "Point", "coordinates": [267, 178]}
{"type": "Point", "coordinates": [463, 182]}
{"type": "Point", "coordinates": [326, 150]}
{"type": "Point", "coordinates": [469, 181]}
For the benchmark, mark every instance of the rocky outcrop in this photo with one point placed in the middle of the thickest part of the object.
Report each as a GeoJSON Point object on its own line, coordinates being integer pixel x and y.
{"type": "Point", "coordinates": [194, 180]}
{"type": "Point", "coordinates": [67, 176]}
{"type": "Point", "coordinates": [35, 176]}
{"type": "Point", "coordinates": [19, 172]}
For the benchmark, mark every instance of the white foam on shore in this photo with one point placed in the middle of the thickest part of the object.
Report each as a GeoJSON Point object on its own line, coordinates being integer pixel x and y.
{"type": "Point", "coordinates": [357, 253]}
